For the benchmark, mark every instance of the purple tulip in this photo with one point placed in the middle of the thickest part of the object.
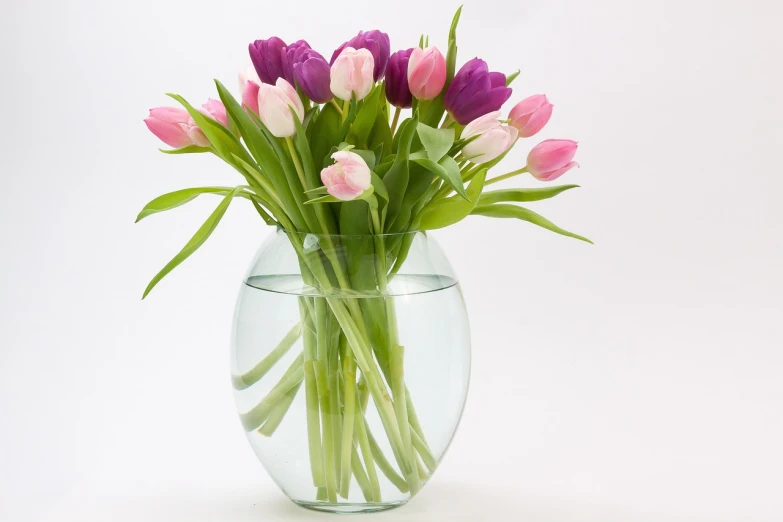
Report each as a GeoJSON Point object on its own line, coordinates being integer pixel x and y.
{"type": "Point", "coordinates": [374, 41]}
{"type": "Point", "coordinates": [475, 92]}
{"type": "Point", "coordinates": [267, 58]}
{"type": "Point", "coordinates": [397, 91]}
{"type": "Point", "coordinates": [292, 54]}
{"type": "Point", "coordinates": [312, 74]}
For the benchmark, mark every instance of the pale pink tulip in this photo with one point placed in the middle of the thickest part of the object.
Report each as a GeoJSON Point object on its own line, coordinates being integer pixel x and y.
{"type": "Point", "coordinates": [274, 107]}
{"type": "Point", "coordinates": [426, 73]}
{"type": "Point", "coordinates": [248, 87]}
{"type": "Point", "coordinates": [493, 138]}
{"type": "Point", "coordinates": [348, 178]}
{"type": "Point", "coordinates": [550, 159]}
{"type": "Point", "coordinates": [177, 129]}
{"type": "Point", "coordinates": [530, 115]}
{"type": "Point", "coordinates": [352, 73]}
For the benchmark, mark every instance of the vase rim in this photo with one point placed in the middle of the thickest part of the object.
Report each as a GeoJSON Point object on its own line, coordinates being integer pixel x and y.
{"type": "Point", "coordinates": [389, 234]}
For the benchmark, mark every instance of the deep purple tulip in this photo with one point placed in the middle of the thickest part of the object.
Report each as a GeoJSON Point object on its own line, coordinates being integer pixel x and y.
{"type": "Point", "coordinates": [293, 54]}
{"type": "Point", "coordinates": [374, 41]}
{"type": "Point", "coordinates": [267, 58]}
{"type": "Point", "coordinates": [312, 74]}
{"type": "Point", "coordinates": [475, 92]}
{"type": "Point", "coordinates": [397, 91]}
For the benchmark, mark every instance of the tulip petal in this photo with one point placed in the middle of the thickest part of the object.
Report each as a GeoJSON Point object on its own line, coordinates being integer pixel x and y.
{"type": "Point", "coordinates": [170, 134]}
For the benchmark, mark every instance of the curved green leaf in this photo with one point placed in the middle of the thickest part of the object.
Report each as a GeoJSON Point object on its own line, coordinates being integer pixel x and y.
{"type": "Point", "coordinates": [396, 179]}
{"type": "Point", "coordinates": [513, 211]}
{"type": "Point", "coordinates": [447, 170]}
{"type": "Point", "coordinates": [437, 142]}
{"type": "Point", "coordinates": [522, 194]}
{"type": "Point", "coordinates": [511, 77]}
{"type": "Point", "coordinates": [445, 212]}
{"type": "Point", "coordinates": [177, 198]}
{"type": "Point", "coordinates": [189, 149]}
{"type": "Point", "coordinates": [198, 239]}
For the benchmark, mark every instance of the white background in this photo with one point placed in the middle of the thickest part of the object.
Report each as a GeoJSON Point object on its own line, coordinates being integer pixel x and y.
{"type": "Point", "coordinates": [636, 380]}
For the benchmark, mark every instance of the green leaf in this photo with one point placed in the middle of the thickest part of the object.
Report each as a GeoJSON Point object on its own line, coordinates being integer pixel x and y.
{"type": "Point", "coordinates": [367, 155]}
{"type": "Point", "coordinates": [198, 239]}
{"type": "Point", "coordinates": [437, 142]}
{"type": "Point", "coordinates": [446, 212]}
{"type": "Point", "coordinates": [513, 211]}
{"type": "Point", "coordinates": [511, 77]}
{"type": "Point", "coordinates": [381, 137]}
{"type": "Point", "coordinates": [323, 199]}
{"type": "Point", "coordinates": [396, 179]}
{"type": "Point", "coordinates": [420, 180]}
{"type": "Point", "coordinates": [189, 149]}
{"type": "Point", "coordinates": [522, 194]}
{"type": "Point", "coordinates": [451, 54]}
{"type": "Point", "coordinates": [323, 133]}
{"type": "Point", "coordinates": [365, 119]}
{"type": "Point", "coordinates": [447, 170]}
{"type": "Point", "coordinates": [379, 187]}
{"type": "Point", "coordinates": [178, 198]}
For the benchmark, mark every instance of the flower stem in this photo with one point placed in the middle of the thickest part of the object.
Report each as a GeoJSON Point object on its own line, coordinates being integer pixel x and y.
{"type": "Point", "coordinates": [349, 416]}
{"type": "Point", "coordinates": [255, 374]}
{"type": "Point", "coordinates": [311, 400]}
{"type": "Point", "coordinates": [254, 418]}
{"type": "Point", "coordinates": [297, 163]}
{"type": "Point", "coordinates": [505, 176]}
{"type": "Point", "coordinates": [336, 106]}
{"type": "Point", "coordinates": [395, 120]}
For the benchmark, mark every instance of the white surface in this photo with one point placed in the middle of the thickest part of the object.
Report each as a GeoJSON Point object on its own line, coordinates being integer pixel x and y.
{"type": "Point", "coordinates": [637, 380]}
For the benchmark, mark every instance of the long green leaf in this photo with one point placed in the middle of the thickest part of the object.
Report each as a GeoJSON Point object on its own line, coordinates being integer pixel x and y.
{"type": "Point", "coordinates": [446, 212]}
{"type": "Point", "coordinates": [198, 239]}
{"type": "Point", "coordinates": [322, 134]}
{"type": "Point", "coordinates": [437, 142]}
{"type": "Point", "coordinates": [177, 198]}
{"type": "Point", "coordinates": [522, 195]}
{"type": "Point", "coordinates": [513, 211]}
{"type": "Point", "coordinates": [396, 179]}
{"type": "Point", "coordinates": [189, 149]}
{"type": "Point", "coordinates": [365, 119]}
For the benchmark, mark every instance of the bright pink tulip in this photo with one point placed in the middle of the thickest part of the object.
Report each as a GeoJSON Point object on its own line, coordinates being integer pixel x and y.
{"type": "Point", "coordinates": [348, 178]}
{"type": "Point", "coordinates": [530, 115]}
{"type": "Point", "coordinates": [550, 159]}
{"type": "Point", "coordinates": [493, 138]}
{"type": "Point", "coordinates": [426, 73]}
{"type": "Point", "coordinates": [274, 106]}
{"type": "Point", "coordinates": [248, 87]}
{"type": "Point", "coordinates": [177, 129]}
{"type": "Point", "coordinates": [352, 73]}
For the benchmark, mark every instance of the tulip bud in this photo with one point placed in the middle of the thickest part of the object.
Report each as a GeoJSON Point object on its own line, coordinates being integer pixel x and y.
{"type": "Point", "coordinates": [475, 92]}
{"type": "Point", "coordinates": [267, 58]}
{"type": "Point", "coordinates": [530, 115]}
{"type": "Point", "coordinates": [493, 138]}
{"type": "Point", "coordinates": [352, 73]}
{"type": "Point", "coordinates": [374, 41]}
{"type": "Point", "coordinates": [177, 129]}
{"type": "Point", "coordinates": [313, 75]}
{"type": "Point", "coordinates": [248, 87]}
{"type": "Point", "coordinates": [426, 73]}
{"type": "Point", "coordinates": [274, 108]}
{"type": "Point", "coordinates": [348, 178]}
{"type": "Point", "coordinates": [550, 159]}
{"type": "Point", "coordinates": [397, 91]}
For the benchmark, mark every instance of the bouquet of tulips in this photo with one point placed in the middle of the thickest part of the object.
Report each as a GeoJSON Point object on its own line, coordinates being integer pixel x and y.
{"type": "Point", "coordinates": [368, 143]}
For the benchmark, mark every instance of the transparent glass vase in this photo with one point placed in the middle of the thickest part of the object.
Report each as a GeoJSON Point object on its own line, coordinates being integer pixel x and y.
{"type": "Point", "coordinates": [350, 364]}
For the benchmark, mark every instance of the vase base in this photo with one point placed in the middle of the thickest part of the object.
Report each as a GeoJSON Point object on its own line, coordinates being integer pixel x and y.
{"type": "Point", "coordinates": [348, 508]}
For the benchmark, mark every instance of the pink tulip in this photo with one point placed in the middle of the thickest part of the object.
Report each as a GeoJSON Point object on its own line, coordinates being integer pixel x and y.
{"type": "Point", "coordinates": [177, 129]}
{"type": "Point", "coordinates": [352, 73]}
{"type": "Point", "coordinates": [248, 87]}
{"type": "Point", "coordinates": [493, 138]}
{"type": "Point", "coordinates": [426, 73]}
{"type": "Point", "coordinates": [348, 178]}
{"type": "Point", "coordinates": [550, 159]}
{"type": "Point", "coordinates": [274, 107]}
{"type": "Point", "coordinates": [530, 115]}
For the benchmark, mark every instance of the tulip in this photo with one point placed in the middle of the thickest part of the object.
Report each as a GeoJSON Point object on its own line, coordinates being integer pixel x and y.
{"type": "Point", "coordinates": [493, 139]}
{"type": "Point", "coordinates": [352, 74]}
{"type": "Point", "coordinates": [274, 107]}
{"type": "Point", "coordinates": [248, 86]}
{"type": "Point", "coordinates": [292, 54]}
{"type": "Point", "coordinates": [267, 58]}
{"type": "Point", "coordinates": [426, 73]}
{"type": "Point", "coordinates": [397, 91]}
{"type": "Point", "coordinates": [530, 115]}
{"type": "Point", "coordinates": [374, 41]}
{"type": "Point", "coordinates": [177, 129]}
{"type": "Point", "coordinates": [305, 67]}
{"type": "Point", "coordinates": [348, 178]}
{"type": "Point", "coordinates": [475, 92]}
{"type": "Point", "coordinates": [550, 159]}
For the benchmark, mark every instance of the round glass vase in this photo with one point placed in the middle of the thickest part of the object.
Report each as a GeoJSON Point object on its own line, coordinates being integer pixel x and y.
{"type": "Point", "coordinates": [350, 365]}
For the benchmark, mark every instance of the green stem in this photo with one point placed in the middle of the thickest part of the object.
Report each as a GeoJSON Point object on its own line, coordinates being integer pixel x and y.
{"type": "Point", "coordinates": [326, 423]}
{"type": "Point", "coordinates": [279, 412]}
{"type": "Point", "coordinates": [255, 374]}
{"type": "Point", "coordinates": [297, 163]}
{"type": "Point", "coordinates": [336, 106]}
{"type": "Point", "coordinates": [361, 477]}
{"type": "Point", "coordinates": [364, 445]}
{"type": "Point", "coordinates": [505, 176]}
{"type": "Point", "coordinates": [448, 121]}
{"type": "Point", "coordinates": [424, 451]}
{"type": "Point", "coordinates": [395, 120]}
{"type": "Point", "coordinates": [401, 409]}
{"type": "Point", "coordinates": [349, 416]}
{"type": "Point", "coordinates": [253, 419]}
{"type": "Point", "coordinates": [311, 397]}
{"type": "Point", "coordinates": [383, 464]}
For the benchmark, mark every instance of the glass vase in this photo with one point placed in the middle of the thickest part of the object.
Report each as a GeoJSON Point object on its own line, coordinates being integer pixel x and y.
{"type": "Point", "coordinates": [350, 365]}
